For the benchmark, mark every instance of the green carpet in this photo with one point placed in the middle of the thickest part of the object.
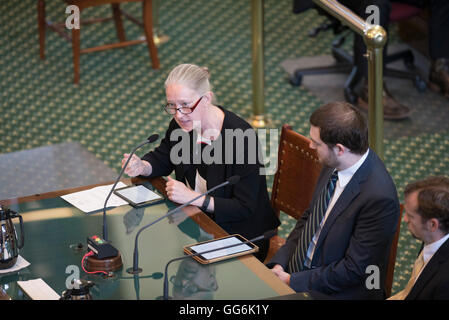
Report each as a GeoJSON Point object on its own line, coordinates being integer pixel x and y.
{"type": "Point", "coordinates": [120, 97]}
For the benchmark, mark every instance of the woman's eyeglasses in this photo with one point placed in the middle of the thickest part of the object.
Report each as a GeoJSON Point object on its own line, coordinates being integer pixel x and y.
{"type": "Point", "coordinates": [170, 108]}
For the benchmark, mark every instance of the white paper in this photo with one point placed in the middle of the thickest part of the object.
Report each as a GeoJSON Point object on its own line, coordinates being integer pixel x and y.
{"type": "Point", "coordinates": [139, 194]}
{"type": "Point", "coordinates": [217, 245]}
{"type": "Point", "coordinates": [38, 289]}
{"type": "Point", "coordinates": [20, 264]}
{"type": "Point", "coordinates": [93, 199]}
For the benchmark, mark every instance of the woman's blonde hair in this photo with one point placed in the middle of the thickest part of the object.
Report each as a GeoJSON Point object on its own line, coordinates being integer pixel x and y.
{"type": "Point", "coordinates": [191, 76]}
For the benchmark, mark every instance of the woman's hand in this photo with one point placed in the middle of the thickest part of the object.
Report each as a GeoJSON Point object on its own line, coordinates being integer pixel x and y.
{"type": "Point", "coordinates": [136, 166]}
{"type": "Point", "coordinates": [178, 192]}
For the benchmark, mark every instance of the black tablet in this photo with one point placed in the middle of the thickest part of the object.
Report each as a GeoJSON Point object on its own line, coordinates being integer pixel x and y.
{"type": "Point", "coordinates": [139, 196]}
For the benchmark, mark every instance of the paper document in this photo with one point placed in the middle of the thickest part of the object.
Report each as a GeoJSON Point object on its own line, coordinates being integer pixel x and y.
{"type": "Point", "coordinates": [37, 289]}
{"type": "Point", "coordinates": [93, 199]}
{"type": "Point", "coordinates": [20, 264]}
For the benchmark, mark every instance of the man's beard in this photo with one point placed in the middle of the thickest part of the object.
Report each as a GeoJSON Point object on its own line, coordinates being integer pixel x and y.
{"type": "Point", "coordinates": [330, 161]}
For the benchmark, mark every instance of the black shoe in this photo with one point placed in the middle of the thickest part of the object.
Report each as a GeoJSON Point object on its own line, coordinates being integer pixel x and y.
{"type": "Point", "coordinates": [439, 76]}
{"type": "Point", "coordinates": [393, 110]}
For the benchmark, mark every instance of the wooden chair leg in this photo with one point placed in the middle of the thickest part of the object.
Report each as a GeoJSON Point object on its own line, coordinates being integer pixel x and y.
{"type": "Point", "coordinates": [118, 22]}
{"type": "Point", "coordinates": [148, 27]}
{"type": "Point", "coordinates": [41, 27]}
{"type": "Point", "coordinates": [76, 48]}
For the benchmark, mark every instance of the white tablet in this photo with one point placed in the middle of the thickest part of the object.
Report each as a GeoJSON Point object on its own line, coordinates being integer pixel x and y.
{"type": "Point", "coordinates": [212, 251]}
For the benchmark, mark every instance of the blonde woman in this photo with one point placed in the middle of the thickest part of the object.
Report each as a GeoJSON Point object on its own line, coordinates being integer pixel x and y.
{"type": "Point", "coordinates": [205, 144]}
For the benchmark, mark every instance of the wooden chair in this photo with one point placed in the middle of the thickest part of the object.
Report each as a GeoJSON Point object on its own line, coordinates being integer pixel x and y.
{"type": "Point", "coordinates": [297, 173]}
{"type": "Point", "coordinates": [392, 257]}
{"type": "Point", "coordinates": [75, 38]}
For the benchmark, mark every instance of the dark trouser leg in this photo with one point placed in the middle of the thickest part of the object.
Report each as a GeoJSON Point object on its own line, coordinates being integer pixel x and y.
{"type": "Point", "coordinates": [359, 7]}
{"type": "Point", "coordinates": [439, 46]}
{"type": "Point", "coordinates": [391, 107]}
{"type": "Point", "coordinates": [439, 29]}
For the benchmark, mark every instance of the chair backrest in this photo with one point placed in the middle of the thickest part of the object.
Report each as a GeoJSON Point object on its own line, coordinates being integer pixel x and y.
{"type": "Point", "coordinates": [392, 257]}
{"type": "Point", "coordinates": [297, 173]}
{"type": "Point", "coordinates": [402, 11]}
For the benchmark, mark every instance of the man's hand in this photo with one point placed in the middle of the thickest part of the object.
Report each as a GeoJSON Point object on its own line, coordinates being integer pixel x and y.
{"type": "Point", "coordinates": [279, 271]}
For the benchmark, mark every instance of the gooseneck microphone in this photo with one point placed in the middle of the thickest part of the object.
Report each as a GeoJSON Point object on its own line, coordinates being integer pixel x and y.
{"type": "Point", "coordinates": [103, 257]}
{"type": "Point", "coordinates": [150, 139]}
{"type": "Point", "coordinates": [266, 235]}
{"type": "Point", "coordinates": [135, 269]}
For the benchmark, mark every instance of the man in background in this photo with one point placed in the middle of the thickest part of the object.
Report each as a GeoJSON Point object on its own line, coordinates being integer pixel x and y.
{"type": "Point", "coordinates": [427, 217]}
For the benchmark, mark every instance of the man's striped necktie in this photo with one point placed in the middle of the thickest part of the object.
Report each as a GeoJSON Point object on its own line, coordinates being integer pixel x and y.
{"type": "Point", "coordinates": [296, 262]}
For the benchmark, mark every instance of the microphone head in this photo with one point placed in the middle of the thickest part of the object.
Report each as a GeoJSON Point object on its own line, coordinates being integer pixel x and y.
{"type": "Point", "coordinates": [153, 138]}
{"type": "Point", "coordinates": [269, 234]}
{"type": "Point", "coordinates": [234, 179]}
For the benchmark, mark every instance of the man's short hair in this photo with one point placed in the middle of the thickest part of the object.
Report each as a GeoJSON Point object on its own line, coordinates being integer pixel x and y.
{"type": "Point", "coordinates": [433, 199]}
{"type": "Point", "coordinates": [340, 122]}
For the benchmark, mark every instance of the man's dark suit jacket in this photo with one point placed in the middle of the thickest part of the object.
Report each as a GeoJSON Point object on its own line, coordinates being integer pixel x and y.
{"type": "Point", "coordinates": [433, 282]}
{"type": "Point", "coordinates": [357, 233]}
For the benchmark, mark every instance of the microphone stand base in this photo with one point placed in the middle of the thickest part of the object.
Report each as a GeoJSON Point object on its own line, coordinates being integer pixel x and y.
{"type": "Point", "coordinates": [132, 271]}
{"type": "Point", "coordinates": [109, 264]}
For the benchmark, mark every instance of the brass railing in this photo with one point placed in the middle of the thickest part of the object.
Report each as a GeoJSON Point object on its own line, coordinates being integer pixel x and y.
{"type": "Point", "coordinates": [258, 119]}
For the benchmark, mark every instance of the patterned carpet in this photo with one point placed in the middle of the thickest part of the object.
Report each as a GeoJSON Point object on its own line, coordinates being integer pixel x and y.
{"type": "Point", "coordinates": [120, 97]}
